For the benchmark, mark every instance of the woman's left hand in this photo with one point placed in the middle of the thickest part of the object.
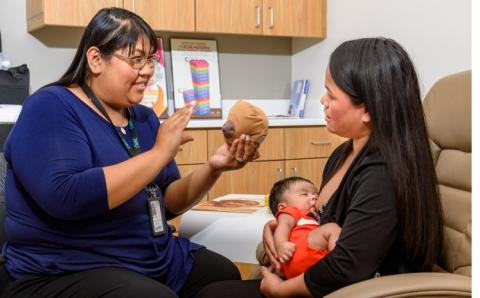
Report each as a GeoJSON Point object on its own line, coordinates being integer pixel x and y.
{"type": "Point", "coordinates": [236, 156]}
{"type": "Point", "coordinates": [270, 284]}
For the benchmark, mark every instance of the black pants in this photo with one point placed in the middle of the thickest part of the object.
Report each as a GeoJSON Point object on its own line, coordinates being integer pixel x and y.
{"type": "Point", "coordinates": [208, 267]}
{"type": "Point", "coordinates": [232, 289]}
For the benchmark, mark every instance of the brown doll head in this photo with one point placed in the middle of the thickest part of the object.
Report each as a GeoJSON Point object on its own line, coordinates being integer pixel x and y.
{"type": "Point", "coordinates": [245, 118]}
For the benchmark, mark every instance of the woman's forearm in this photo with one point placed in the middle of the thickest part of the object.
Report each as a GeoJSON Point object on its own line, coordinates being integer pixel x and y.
{"type": "Point", "coordinates": [274, 287]}
{"type": "Point", "coordinates": [125, 179]}
{"type": "Point", "coordinates": [182, 194]}
{"type": "Point", "coordinates": [294, 287]}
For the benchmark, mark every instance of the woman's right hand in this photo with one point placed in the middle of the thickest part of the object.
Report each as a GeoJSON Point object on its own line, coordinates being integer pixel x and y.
{"type": "Point", "coordinates": [269, 245]}
{"type": "Point", "coordinates": [170, 135]}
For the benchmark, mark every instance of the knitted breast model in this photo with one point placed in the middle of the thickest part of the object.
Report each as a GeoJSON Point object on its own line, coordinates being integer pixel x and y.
{"type": "Point", "coordinates": [245, 118]}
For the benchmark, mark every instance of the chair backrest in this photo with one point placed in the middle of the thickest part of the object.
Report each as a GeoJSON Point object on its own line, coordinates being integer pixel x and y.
{"type": "Point", "coordinates": [447, 109]}
{"type": "Point", "coordinates": [5, 129]}
{"type": "Point", "coordinates": [3, 210]}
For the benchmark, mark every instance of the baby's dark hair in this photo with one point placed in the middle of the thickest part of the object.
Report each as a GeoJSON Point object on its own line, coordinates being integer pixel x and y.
{"type": "Point", "coordinates": [279, 189]}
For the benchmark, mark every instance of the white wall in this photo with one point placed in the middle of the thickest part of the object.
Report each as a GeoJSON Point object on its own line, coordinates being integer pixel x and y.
{"type": "Point", "coordinates": [46, 64]}
{"type": "Point", "coordinates": [436, 34]}
{"type": "Point", "coordinates": [265, 68]}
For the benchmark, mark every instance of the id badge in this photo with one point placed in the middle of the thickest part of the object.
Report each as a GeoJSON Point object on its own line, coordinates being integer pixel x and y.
{"type": "Point", "coordinates": [155, 210]}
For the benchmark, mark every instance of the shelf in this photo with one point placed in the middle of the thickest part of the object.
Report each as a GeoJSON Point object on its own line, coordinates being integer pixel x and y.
{"type": "Point", "coordinates": [273, 122]}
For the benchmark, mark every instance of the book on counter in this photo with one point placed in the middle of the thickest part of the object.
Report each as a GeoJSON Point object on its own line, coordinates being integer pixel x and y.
{"type": "Point", "coordinates": [238, 203]}
{"type": "Point", "coordinates": [298, 97]}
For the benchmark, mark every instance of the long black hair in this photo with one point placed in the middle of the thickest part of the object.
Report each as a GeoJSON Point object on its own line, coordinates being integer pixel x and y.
{"type": "Point", "coordinates": [378, 73]}
{"type": "Point", "coordinates": [109, 30]}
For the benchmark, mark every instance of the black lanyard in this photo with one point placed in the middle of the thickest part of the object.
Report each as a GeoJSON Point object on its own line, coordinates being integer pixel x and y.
{"type": "Point", "coordinates": [154, 204]}
{"type": "Point", "coordinates": [131, 127]}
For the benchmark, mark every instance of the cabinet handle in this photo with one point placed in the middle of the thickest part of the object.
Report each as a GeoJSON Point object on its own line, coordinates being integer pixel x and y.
{"type": "Point", "coordinates": [272, 16]}
{"type": "Point", "coordinates": [295, 171]}
{"type": "Point", "coordinates": [257, 8]}
{"type": "Point", "coordinates": [280, 175]}
{"type": "Point", "coordinates": [320, 143]}
{"type": "Point", "coordinates": [133, 6]}
{"type": "Point", "coordinates": [180, 149]}
{"type": "Point", "coordinates": [116, 3]}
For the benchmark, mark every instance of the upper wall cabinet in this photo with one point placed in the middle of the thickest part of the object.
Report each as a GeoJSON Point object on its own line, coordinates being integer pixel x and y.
{"type": "Point", "coordinates": [296, 18]}
{"type": "Point", "coordinates": [68, 13]}
{"type": "Point", "coordinates": [300, 18]}
{"type": "Point", "coordinates": [165, 15]}
{"type": "Point", "coordinates": [229, 16]}
{"type": "Point", "coordinates": [293, 18]}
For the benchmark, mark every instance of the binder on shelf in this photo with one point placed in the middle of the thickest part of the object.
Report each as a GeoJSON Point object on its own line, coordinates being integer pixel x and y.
{"type": "Point", "coordinates": [303, 98]}
{"type": "Point", "coordinates": [298, 98]}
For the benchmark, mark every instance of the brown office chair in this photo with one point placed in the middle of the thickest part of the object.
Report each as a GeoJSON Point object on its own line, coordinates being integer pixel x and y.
{"type": "Point", "coordinates": [447, 109]}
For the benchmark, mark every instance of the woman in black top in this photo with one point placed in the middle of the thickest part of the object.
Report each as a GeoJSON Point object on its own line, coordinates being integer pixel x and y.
{"type": "Point", "coordinates": [379, 186]}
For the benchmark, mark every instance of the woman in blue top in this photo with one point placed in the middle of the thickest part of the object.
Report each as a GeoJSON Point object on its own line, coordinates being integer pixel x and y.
{"type": "Point", "coordinates": [92, 179]}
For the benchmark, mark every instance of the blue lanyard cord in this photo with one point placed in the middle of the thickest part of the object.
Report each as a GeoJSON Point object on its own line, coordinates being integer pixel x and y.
{"type": "Point", "coordinates": [131, 127]}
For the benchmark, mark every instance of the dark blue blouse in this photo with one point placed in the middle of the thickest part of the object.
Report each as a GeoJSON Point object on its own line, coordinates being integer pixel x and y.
{"type": "Point", "coordinates": [58, 219]}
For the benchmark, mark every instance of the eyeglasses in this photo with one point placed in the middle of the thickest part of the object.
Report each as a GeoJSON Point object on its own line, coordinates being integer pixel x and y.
{"type": "Point", "coordinates": [138, 62]}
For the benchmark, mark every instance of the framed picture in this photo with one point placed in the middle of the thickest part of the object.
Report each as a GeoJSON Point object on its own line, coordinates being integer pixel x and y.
{"type": "Point", "coordinates": [196, 76]}
{"type": "Point", "coordinates": [155, 95]}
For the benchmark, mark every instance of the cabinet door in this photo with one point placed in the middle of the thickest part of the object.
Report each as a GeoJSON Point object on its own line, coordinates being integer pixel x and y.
{"type": "Point", "coordinates": [309, 142]}
{"type": "Point", "coordinates": [299, 18]}
{"type": "Point", "coordinates": [71, 13]}
{"type": "Point", "coordinates": [229, 16]}
{"type": "Point", "coordinates": [270, 149]}
{"type": "Point", "coordinates": [165, 15]}
{"type": "Point", "coordinates": [184, 171]}
{"type": "Point", "coordinates": [194, 152]}
{"type": "Point", "coordinates": [311, 169]}
{"type": "Point", "coordinates": [187, 169]}
{"type": "Point", "coordinates": [254, 178]}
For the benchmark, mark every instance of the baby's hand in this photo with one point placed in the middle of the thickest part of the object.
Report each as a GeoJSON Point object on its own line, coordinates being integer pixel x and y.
{"type": "Point", "coordinates": [285, 251]}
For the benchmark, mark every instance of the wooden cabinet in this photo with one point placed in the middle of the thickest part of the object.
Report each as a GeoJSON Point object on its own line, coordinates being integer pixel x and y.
{"type": "Point", "coordinates": [309, 142]}
{"type": "Point", "coordinates": [299, 18]}
{"type": "Point", "coordinates": [194, 152]}
{"type": "Point", "coordinates": [270, 149]}
{"type": "Point", "coordinates": [234, 16]}
{"type": "Point", "coordinates": [311, 169]}
{"type": "Point", "coordinates": [165, 15]}
{"type": "Point", "coordinates": [289, 151]}
{"type": "Point", "coordinates": [307, 150]}
{"type": "Point", "coordinates": [296, 18]}
{"type": "Point", "coordinates": [68, 13]}
{"type": "Point", "coordinates": [193, 155]}
{"type": "Point", "coordinates": [255, 178]}
{"type": "Point", "coordinates": [187, 169]}
{"type": "Point", "coordinates": [162, 15]}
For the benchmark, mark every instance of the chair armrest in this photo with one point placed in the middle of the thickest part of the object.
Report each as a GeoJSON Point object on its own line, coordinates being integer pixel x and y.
{"type": "Point", "coordinates": [262, 257]}
{"type": "Point", "coordinates": [409, 285]}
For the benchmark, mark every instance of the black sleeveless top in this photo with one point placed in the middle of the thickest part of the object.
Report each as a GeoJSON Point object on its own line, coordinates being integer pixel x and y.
{"type": "Point", "coordinates": [364, 205]}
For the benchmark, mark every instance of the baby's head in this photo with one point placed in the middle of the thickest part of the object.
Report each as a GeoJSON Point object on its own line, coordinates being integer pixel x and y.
{"type": "Point", "coordinates": [293, 192]}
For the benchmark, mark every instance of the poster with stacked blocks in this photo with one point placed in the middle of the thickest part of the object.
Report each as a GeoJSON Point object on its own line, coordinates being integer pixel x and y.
{"type": "Point", "coordinates": [196, 76]}
{"type": "Point", "coordinates": [155, 95]}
